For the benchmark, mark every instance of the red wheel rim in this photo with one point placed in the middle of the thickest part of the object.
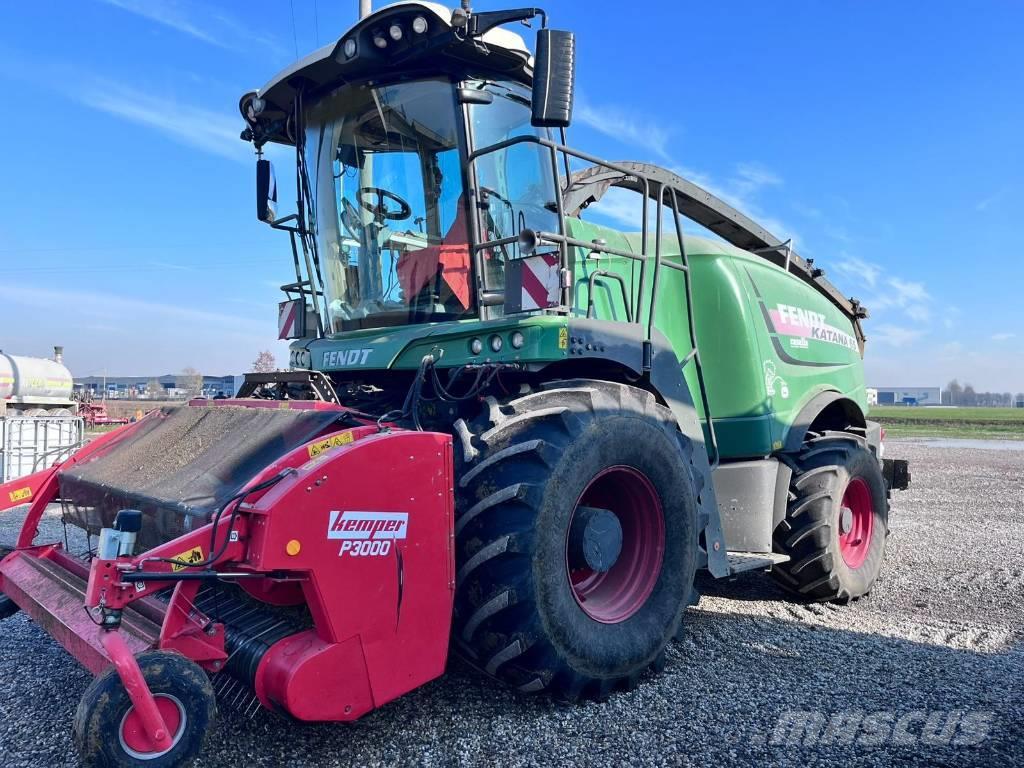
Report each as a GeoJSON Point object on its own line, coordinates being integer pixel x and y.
{"type": "Point", "coordinates": [616, 594]}
{"type": "Point", "coordinates": [856, 520]}
{"type": "Point", "coordinates": [134, 739]}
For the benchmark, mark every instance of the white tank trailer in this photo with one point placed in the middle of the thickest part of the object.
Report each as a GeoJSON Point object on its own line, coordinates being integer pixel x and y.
{"type": "Point", "coordinates": [38, 421]}
{"type": "Point", "coordinates": [35, 386]}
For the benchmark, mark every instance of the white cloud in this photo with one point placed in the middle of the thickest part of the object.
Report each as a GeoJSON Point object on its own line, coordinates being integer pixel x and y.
{"type": "Point", "coordinates": [808, 211]}
{"type": "Point", "coordinates": [211, 131]}
{"type": "Point", "coordinates": [751, 177]}
{"type": "Point", "coordinates": [1003, 336]}
{"type": "Point", "coordinates": [132, 335]}
{"type": "Point", "coordinates": [985, 203]}
{"type": "Point", "coordinates": [894, 335]}
{"type": "Point", "coordinates": [112, 307]}
{"type": "Point", "coordinates": [627, 127]}
{"type": "Point", "coordinates": [907, 292]}
{"type": "Point", "coordinates": [919, 312]}
{"type": "Point", "coordinates": [951, 350]}
{"type": "Point", "coordinates": [859, 269]}
{"type": "Point", "coordinates": [740, 189]}
{"type": "Point", "coordinates": [950, 317]}
{"type": "Point", "coordinates": [211, 26]}
{"type": "Point", "coordinates": [621, 207]}
{"type": "Point", "coordinates": [911, 298]}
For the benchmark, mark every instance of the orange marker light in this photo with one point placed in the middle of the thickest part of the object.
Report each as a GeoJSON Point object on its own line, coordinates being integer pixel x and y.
{"type": "Point", "coordinates": [293, 547]}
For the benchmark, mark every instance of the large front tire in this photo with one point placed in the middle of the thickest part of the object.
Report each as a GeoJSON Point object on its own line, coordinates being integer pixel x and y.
{"type": "Point", "coordinates": [836, 522]}
{"type": "Point", "coordinates": [576, 538]}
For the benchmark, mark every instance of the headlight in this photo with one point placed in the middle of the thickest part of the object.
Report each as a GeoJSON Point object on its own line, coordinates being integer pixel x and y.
{"type": "Point", "coordinates": [419, 25]}
{"type": "Point", "coordinates": [380, 41]}
{"type": "Point", "coordinates": [349, 48]}
{"type": "Point", "coordinates": [396, 32]}
{"type": "Point", "coordinates": [496, 343]}
{"type": "Point", "coordinates": [476, 346]}
{"type": "Point", "coordinates": [517, 339]}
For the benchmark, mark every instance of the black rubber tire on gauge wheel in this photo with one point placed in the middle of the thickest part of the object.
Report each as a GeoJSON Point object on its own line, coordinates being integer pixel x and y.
{"type": "Point", "coordinates": [837, 520]}
{"type": "Point", "coordinates": [575, 537]}
{"type": "Point", "coordinates": [106, 728]}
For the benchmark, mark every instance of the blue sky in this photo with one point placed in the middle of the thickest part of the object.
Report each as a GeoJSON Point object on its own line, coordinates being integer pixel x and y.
{"type": "Point", "coordinates": [886, 138]}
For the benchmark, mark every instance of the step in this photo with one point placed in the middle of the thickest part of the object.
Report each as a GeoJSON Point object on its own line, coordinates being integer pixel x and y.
{"type": "Point", "coordinates": [753, 561]}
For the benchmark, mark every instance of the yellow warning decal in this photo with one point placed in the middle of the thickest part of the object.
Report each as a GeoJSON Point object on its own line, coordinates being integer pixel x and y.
{"type": "Point", "coordinates": [563, 338]}
{"type": "Point", "coordinates": [22, 494]}
{"type": "Point", "coordinates": [315, 449]}
{"type": "Point", "coordinates": [193, 556]}
{"type": "Point", "coordinates": [284, 404]}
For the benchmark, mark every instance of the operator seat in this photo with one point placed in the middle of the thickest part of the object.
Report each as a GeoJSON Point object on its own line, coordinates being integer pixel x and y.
{"type": "Point", "coordinates": [443, 270]}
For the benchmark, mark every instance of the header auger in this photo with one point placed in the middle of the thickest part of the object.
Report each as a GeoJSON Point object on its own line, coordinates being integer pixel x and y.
{"type": "Point", "coordinates": [508, 429]}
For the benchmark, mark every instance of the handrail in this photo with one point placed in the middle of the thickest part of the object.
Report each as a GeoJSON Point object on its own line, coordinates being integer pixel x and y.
{"type": "Point", "coordinates": [649, 188]}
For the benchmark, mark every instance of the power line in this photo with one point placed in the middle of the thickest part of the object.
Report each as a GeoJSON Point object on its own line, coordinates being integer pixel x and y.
{"type": "Point", "coordinates": [316, 22]}
{"type": "Point", "coordinates": [295, 36]}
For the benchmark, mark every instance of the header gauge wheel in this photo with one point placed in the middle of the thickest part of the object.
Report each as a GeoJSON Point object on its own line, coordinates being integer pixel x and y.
{"type": "Point", "coordinates": [108, 731]}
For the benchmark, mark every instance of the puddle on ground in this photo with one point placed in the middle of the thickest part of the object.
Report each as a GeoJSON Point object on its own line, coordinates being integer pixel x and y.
{"type": "Point", "coordinates": [952, 442]}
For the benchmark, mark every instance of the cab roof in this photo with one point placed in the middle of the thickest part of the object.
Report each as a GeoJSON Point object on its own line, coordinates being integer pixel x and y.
{"type": "Point", "coordinates": [439, 49]}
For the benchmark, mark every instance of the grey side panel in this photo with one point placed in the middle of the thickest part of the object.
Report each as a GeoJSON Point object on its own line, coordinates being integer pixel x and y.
{"type": "Point", "coordinates": [746, 493]}
{"type": "Point", "coordinates": [782, 481]}
{"type": "Point", "coordinates": [874, 436]}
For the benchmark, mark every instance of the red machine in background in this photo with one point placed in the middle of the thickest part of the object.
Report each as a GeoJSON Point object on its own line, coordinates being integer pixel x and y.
{"type": "Point", "coordinates": [94, 413]}
{"type": "Point", "coordinates": [295, 566]}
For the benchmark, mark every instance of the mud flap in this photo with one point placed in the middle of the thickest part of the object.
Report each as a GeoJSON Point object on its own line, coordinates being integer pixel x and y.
{"type": "Point", "coordinates": [896, 473]}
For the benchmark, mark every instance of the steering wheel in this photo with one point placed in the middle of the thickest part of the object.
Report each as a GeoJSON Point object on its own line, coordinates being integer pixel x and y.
{"type": "Point", "coordinates": [352, 220]}
{"type": "Point", "coordinates": [380, 211]}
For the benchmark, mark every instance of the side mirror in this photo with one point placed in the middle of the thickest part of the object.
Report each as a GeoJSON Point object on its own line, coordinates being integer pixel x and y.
{"type": "Point", "coordinates": [266, 192]}
{"type": "Point", "coordinates": [554, 74]}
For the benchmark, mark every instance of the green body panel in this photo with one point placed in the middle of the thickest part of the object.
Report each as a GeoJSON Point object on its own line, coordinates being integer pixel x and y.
{"type": "Point", "coordinates": [768, 342]}
{"type": "Point", "coordinates": [403, 347]}
{"type": "Point", "coordinates": [762, 363]}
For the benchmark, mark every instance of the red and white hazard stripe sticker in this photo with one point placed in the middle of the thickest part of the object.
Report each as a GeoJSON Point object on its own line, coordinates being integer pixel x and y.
{"type": "Point", "coordinates": [532, 283]}
{"type": "Point", "coordinates": [288, 319]}
{"type": "Point", "coordinates": [540, 281]}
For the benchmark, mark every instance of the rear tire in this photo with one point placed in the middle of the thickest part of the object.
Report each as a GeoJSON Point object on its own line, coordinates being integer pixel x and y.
{"type": "Point", "coordinates": [106, 730]}
{"type": "Point", "coordinates": [530, 609]}
{"type": "Point", "coordinates": [836, 522]}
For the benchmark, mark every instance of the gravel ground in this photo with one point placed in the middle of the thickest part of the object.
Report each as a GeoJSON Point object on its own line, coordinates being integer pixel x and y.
{"type": "Point", "coordinates": [935, 650]}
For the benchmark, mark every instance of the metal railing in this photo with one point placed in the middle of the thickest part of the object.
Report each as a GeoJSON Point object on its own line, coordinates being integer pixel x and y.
{"type": "Point", "coordinates": [31, 443]}
{"type": "Point", "coordinates": [650, 190]}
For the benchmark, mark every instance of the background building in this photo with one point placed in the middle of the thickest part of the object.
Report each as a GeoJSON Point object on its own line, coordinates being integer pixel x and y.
{"type": "Point", "coordinates": [909, 396]}
{"type": "Point", "coordinates": [153, 387]}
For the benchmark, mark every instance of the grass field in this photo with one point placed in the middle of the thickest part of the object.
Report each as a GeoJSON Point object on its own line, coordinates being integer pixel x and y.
{"type": "Point", "coordinates": [903, 421]}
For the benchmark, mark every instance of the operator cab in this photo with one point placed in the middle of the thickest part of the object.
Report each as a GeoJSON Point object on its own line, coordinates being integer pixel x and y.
{"type": "Point", "coordinates": [400, 132]}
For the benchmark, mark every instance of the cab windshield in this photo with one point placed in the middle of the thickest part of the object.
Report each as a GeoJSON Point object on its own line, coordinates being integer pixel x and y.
{"type": "Point", "coordinates": [385, 176]}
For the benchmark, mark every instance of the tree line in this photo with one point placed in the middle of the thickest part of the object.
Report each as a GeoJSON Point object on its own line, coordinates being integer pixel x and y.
{"type": "Point", "coordinates": [965, 395]}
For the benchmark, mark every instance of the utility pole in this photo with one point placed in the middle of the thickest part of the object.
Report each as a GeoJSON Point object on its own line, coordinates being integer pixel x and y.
{"type": "Point", "coordinates": [365, 8]}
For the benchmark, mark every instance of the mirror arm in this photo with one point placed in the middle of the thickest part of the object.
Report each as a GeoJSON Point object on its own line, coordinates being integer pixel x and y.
{"type": "Point", "coordinates": [481, 23]}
